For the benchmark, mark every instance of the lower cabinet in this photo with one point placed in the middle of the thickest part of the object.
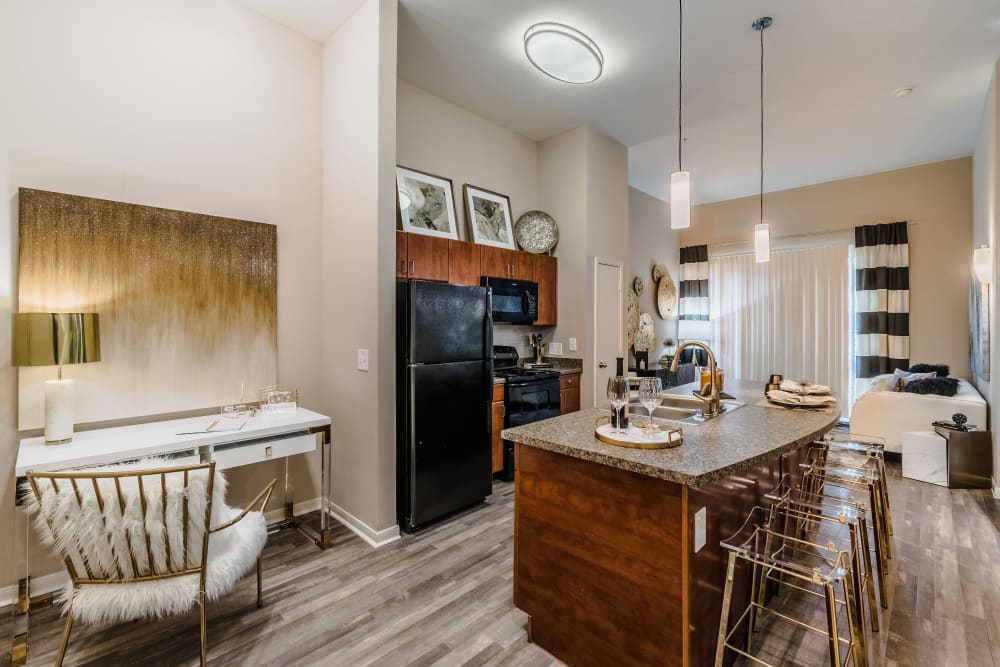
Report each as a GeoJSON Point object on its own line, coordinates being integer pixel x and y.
{"type": "Point", "coordinates": [496, 427]}
{"type": "Point", "coordinates": [569, 392]}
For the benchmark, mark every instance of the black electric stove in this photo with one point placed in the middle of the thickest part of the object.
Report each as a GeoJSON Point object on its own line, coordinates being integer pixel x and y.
{"type": "Point", "coordinates": [530, 395]}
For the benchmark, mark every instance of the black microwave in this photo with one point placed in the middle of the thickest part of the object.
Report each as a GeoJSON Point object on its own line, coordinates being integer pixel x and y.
{"type": "Point", "coordinates": [514, 301]}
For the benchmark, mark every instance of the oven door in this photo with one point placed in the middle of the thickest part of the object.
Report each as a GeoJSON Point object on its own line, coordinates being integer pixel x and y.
{"type": "Point", "coordinates": [531, 401]}
{"type": "Point", "coordinates": [514, 301]}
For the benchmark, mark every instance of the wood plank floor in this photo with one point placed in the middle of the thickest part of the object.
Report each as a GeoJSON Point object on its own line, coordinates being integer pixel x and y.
{"type": "Point", "coordinates": [443, 597]}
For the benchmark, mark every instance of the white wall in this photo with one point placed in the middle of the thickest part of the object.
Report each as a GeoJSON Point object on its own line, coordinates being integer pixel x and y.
{"type": "Point", "coordinates": [8, 377]}
{"type": "Point", "coordinates": [652, 242]}
{"type": "Point", "coordinates": [438, 137]}
{"type": "Point", "coordinates": [986, 221]}
{"type": "Point", "coordinates": [186, 104]}
{"type": "Point", "coordinates": [358, 255]}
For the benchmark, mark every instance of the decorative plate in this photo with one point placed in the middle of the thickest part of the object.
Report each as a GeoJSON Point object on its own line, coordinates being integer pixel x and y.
{"type": "Point", "coordinates": [645, 339]}
{"type": "Point", "coordinates": [631, 318]}
{"type": "Point", "coordinates": [666, 296]}
{"type": "Point", "coordinates": [638, 286]}
{"type": "Point", "coordinates": [536, 231]}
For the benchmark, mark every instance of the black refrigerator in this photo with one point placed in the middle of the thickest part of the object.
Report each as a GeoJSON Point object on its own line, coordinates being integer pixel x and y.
{"type": "Point", "coordinates": [444, 383]}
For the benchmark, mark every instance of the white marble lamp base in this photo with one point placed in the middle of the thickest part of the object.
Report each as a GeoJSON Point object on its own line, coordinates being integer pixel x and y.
{"type": "Point", "coordinates": [58, 411]}
{"type": "Point", "coordinates": [925, 457]}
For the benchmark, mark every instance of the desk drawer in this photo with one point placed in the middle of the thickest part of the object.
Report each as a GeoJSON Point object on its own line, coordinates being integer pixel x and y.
{"type": "Point", "coordinates": [241, 454]}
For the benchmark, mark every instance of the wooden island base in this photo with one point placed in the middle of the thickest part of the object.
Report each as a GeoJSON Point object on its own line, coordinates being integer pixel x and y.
{"type": "Point", "coordinates": [604, 558]}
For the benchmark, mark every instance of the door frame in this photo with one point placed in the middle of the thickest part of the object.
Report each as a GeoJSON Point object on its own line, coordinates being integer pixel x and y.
{"type": "Point", "coordinates": [598, 261]}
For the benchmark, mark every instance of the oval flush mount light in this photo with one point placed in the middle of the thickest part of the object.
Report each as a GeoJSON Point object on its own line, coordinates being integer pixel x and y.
{"type": "Point", "coordinates": [563, 53]}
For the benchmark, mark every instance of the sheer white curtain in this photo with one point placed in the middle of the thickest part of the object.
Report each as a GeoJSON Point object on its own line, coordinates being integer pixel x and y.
{"type": "Point", "coordinates": [791, 316]}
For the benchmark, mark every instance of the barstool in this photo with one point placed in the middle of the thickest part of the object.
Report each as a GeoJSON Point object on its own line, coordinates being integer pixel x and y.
{"type": "Point", "coordinates": [855, 455]}
{"type": "Point", "coordinates": [818, 569]}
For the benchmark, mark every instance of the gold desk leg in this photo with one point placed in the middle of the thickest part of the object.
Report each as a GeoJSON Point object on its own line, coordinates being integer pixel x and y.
{"type": "Point", "coordinates": [325, 539]}
{"type": "Point", "coordinates": [19, 650]}
{"type": "Point", "coordinates": [23, 595]}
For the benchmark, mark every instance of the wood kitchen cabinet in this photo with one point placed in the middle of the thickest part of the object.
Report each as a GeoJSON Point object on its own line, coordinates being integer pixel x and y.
{"type": "Point", "coordinates": [463, 263]}
{"type": "Point", "coordinates": [425, 257]}
{"type": "Point", "coordinates": [497, 426]}
{"type": "Point", "coordinates": [546, 274]}
{"type": "Point", "coordinates": [569, 392]}
{"type": "Point", "coordinates": [496, 262]}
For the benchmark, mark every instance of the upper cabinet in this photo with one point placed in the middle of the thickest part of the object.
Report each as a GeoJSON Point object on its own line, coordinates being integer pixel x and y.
{"type": "Point", "coordinates": [464, 263]}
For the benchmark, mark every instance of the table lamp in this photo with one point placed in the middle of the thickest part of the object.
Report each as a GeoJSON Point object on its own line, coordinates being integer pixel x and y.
{"type": "Point", "coordinates": [56, 339]}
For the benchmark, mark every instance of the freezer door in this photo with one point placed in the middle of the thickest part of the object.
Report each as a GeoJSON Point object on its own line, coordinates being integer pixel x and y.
{"type": "Point", "coordinates": [449, 465]}
{"type": "Point", "coordinates": [447, 323]}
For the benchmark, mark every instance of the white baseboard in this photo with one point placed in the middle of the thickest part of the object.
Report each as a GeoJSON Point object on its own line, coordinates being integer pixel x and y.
{"type": "Point", "coordinates": [375, 538]}
{"type": "Point", "coordinates": [47, 583]}
{"type": "Point", "coordinates": [306, 506]}
{"type": "Point", "coordinates": [996, 487]}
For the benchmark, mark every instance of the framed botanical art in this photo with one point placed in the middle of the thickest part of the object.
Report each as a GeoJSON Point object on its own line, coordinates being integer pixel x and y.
{"type": "Point", "coordinates": [426, 203]}
{"type": "Point", "coordinates": [488, 215]}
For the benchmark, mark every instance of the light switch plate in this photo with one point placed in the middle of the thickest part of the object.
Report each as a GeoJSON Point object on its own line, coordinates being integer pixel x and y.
{"type": "Point", "coordinates": [572, 345]}
{"type": "Point", "coordinates": [555, 349]}
{"type": "Point", "coordinates": [700, 519]}
{"type": "Point", "coordinates": [362, 360]}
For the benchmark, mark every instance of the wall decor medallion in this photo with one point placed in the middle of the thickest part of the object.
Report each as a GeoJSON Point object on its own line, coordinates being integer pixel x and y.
{"type": "Point", "coordinates": [488, 216]}
{"type": "Point", "coordinates": [631, 317]}
{"type": "Point", "coordinates": [426, 203]}
{"type": "Point", "coordinates": [638, 286]}
{"type": "Point", "coordinates": [536, 231]}
{"type": "Point", "coordinates": [658, 271]}
{"type": "Point", "coordinates": [666, 296]}
{"type": "Point", "coordinates": [645, 338]}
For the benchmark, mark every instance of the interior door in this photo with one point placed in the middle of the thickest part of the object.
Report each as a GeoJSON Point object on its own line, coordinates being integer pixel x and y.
{"type": "Point", "coordinates": [608, 325]}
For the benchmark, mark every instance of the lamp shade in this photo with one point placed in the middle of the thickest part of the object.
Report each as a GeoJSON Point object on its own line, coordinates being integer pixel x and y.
{"type": "Point", "coordinates": [680, 200]}
{"type": "Point", "coordinates": [762, 242]}
{"type": "Point", "coordinates": [55, 339]}
{"type": "Point", "coordinates": [982, 263]}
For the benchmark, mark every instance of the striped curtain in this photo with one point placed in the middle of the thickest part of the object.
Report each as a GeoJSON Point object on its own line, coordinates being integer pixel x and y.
{"type": "Point", "coordinates": [692, 309]}
{"type": "Point", "coordinates": [882, 303]}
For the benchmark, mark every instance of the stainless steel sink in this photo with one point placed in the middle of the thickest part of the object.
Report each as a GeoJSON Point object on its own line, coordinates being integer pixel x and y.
{"type": "Point", "coordinates": [679, 408]}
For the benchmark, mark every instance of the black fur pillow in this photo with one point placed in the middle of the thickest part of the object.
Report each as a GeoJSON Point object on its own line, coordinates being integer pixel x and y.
{"type": "Point", "coordinates": [938, 386]}
{"type": "Point", "coordinates": [942, 370]}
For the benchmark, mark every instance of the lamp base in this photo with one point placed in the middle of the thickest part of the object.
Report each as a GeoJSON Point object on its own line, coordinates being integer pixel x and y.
{"type": "Point", "coordinates": [58, 411]}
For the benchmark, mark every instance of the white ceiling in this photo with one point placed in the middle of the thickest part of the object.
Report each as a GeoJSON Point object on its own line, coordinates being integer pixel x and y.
{"type": "Point", "coordinates": [317, 19]}
{"type": "Point", "coordinates": [832, 68]}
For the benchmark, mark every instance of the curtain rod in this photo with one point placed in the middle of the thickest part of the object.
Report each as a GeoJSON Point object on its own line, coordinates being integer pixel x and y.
{"type": "Point", "coordinates": [832, 232]}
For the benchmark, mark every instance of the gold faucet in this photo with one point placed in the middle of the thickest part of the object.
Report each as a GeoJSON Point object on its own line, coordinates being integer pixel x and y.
{"type": "Point", "coordinates": [713, 401]}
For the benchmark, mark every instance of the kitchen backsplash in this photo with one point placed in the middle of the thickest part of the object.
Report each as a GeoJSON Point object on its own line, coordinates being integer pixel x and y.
{"type": "Point", "coordinates": [516, 336]}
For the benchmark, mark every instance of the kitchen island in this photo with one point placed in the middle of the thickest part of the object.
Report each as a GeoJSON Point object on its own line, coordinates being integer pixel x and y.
{"type": "Point", "coordinates": [608, 561]}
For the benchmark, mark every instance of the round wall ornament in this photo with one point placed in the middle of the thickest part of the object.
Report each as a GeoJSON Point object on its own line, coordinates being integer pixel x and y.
{"type": "Point", "coordinates": [536, 231]}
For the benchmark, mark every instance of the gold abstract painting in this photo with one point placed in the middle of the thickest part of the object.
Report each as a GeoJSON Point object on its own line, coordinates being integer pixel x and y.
{"type": "Point", "coordinates": [188, 303]}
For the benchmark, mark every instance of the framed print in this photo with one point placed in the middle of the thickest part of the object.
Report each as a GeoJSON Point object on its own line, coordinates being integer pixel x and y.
{"type": "Point", "coordinates": [488, 214]}
{"type": "Point", "coordinates": [426, 203]}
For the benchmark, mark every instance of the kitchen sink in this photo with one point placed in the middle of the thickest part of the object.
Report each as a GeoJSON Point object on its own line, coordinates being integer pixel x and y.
{"type": "Point", "coordinates": [683, 409]}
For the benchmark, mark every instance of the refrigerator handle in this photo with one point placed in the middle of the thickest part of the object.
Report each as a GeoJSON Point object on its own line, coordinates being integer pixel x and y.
{"type": "Point", "coordinates": [488, 342]}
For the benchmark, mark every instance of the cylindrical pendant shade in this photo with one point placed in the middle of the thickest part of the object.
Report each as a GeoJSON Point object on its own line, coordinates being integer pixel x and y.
{"type": "Point", "coordinates": [762, 242]}
{"type": "Point", "coordinates": [55, 339]}
{"type": "Point", "coordinates": [680, 200]}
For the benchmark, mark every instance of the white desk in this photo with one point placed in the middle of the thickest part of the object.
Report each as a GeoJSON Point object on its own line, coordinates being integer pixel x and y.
{"type": "Point", "coordinates": [263, 438]}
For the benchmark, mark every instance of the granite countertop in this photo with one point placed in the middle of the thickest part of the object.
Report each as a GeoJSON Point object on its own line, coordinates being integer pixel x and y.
{"type": "Point", "coordinates": [497, 380]}
{"type": "Point", "coordinates": [729, 444]}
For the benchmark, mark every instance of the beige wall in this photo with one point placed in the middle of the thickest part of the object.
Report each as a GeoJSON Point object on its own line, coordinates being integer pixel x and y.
{"type": "Point", "coordinates": [199, 106]}
{"type": "Point", "coordinates": [936, 197]}
{"type": "Point", "coordinates": [8, 377]}
{"type": "Point", "coordinates": [359, 147]}
{"type": "Point", "coordinates": [986, 229]}
{"type": "Point", "coordinates": [652, 242]}
{"type": "Point", "coordinates": [438, 137]}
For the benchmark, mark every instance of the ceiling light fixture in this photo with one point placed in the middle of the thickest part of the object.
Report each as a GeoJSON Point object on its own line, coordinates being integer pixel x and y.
{"type": "Point", "coordinates": [564, 53]}
{"type": "Point", "coordinates": [903, 92]}
{"type": "Point", "coordinates": [762, 231]}
{"type": "Point", "coordinates": [680, 180]}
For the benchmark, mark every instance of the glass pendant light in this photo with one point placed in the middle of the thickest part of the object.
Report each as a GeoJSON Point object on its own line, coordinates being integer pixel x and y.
{"type": "Point", "coordinates": [762, 231]}
{"type": "Point", "coordinates": [680, 180]}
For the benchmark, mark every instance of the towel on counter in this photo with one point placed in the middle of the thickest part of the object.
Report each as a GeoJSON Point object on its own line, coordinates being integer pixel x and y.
{"type": "Point", "coordinates": [796, 398]}
{"type": "Point", "coordinates": [793, 387]}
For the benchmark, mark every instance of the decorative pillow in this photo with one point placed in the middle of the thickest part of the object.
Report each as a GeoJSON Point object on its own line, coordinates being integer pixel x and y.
{"type": "Point", "coordinates": [935, 385]}
{"type": "Point", "coordinates": [908, 377]}
{"type": "Point", "coordinates": [942, 370]}
{"type": "Point", "coordinates": [883, 382]}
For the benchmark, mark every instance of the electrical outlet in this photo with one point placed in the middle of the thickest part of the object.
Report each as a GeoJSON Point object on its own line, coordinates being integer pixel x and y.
{"type": "Point", "coordinates": [700, 521]}
{"type": "Point", "coordinates": [572, 345]}
{"type": "Point", "coordinates": [363, 360]}
{"type": "Point", "coordinates": [555, 349]}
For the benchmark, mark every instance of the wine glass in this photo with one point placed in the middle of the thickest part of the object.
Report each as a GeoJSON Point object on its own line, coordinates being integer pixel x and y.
{"type": "Point", "coordinates": [618, 393]}
{"type": "Point", "coordinates": [649, 396]}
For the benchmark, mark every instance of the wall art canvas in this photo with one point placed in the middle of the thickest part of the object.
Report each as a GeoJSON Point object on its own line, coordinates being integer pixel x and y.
{"type": "Point", "coordinates": [188, 304]}
{"type": "Point", "coordinates": [979, 328]}
{"type": "Point", "coordinates": [488, 214]}
{"type": "Point", "coordinates": [426, 203]}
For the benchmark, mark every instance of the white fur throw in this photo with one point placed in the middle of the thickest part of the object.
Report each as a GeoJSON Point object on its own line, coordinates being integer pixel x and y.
{"type": "Point", "coordinates": [111, 542]}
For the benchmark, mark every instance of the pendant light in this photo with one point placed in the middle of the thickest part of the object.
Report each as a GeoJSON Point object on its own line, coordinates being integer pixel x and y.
{"type": "Point", "coordinates": [762, 231]}
{"type": "Point", "coordinates": [680, 180]}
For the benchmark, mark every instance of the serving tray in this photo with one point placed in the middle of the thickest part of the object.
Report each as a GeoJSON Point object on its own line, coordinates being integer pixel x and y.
{"type": "Point", "coordinates": [635, 438]}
